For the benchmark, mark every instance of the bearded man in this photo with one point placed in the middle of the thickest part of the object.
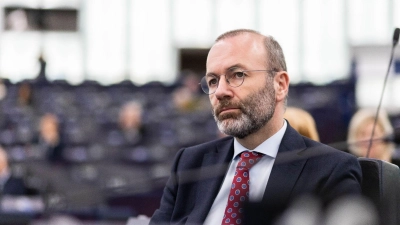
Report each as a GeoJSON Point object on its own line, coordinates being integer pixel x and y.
{"type": "Point", "coordinates": [263, 159]}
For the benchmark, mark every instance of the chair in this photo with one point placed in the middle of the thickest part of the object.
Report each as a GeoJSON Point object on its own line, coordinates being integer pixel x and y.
{"type": "Point", "coordinates": [380, 187]}
{"type": "Point", "coordinates": [381, 184]}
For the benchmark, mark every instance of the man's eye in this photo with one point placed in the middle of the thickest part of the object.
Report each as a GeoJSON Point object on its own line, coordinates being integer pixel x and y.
{"type": "Point", "coordinates": [238, 74]}
{"type": "Point", "coordinates": [212, 82]}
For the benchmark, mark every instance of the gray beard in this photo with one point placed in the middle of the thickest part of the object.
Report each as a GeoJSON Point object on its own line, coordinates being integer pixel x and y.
{"type": "Point", "coordinates": [256, 111]}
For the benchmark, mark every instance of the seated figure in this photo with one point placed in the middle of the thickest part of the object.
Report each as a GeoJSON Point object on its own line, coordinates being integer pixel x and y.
{"type": "Point", "coordinates": [9, 184]}
{"type": "Point", "coordinates": [360, 133]}
{"type": "Point", "coordinates": [302, 121]}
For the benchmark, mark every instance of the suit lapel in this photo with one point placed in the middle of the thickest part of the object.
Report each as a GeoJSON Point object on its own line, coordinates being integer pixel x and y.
{"type": "Point", "coordinates": [214, 167]}
{"type": "Point", "coordinates": [285, 172]}
{"type": "Point", "coordinates": [287, 168]}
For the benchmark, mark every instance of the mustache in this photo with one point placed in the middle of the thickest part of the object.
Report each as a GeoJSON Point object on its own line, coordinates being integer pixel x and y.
{"type": "Point", "coordinates": [224, 104]}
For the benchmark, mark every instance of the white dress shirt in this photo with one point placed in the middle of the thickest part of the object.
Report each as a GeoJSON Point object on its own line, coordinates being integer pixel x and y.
{"type": "Point", "coordinates": [259, 175]}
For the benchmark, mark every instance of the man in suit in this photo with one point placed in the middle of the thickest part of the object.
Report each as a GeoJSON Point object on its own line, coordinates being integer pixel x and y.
{"type": "Point", "coordinates": [248, 85]}
{"type": "Point", "coordinates": [10, 185]}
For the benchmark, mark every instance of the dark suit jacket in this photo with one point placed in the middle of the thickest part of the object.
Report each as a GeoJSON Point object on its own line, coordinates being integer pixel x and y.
{"type": "Point", "coordinates": [302, 166]}
{"type": "Point", "coordinates": [14, 186]}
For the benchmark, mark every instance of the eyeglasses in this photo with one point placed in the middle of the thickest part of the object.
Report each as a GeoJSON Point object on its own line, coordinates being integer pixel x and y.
{"type": "Point", "coordinates": [209, 83]}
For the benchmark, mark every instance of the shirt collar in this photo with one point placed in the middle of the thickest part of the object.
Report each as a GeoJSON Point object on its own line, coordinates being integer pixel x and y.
{"type": "Point", "coordinates": [268, 147]}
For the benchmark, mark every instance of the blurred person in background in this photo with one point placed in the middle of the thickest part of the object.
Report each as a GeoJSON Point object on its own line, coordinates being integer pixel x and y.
{"type": "Point", "coordinates": [360, 131]}
{"type": "Point", "coordinates": [41, 77]}
{"type": "Point", "coordinates": [9, 184]}
{"type": "Point", "coordinates": [247, 85]}
{"type": "Point", "coordinates": [50, 138]}
{"type": "Point", "coordinates": [187, 96]}
{"type": "Point", "coordinates": [25, 94]}
{"type": "Point", "coordinates": [130, 122]}
{"type": "Point", "coordinates": [129, 136]}
{"type": "Point", "coordinates": [302, 121]}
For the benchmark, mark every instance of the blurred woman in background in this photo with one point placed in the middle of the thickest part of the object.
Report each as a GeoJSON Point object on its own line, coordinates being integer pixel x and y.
{"type": "Point", "coordinates": [302, 121]}
{"type": "Point", "coordinates": [360, 131]}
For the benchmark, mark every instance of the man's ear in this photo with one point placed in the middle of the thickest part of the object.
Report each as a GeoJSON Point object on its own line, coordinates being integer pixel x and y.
{"type": "Point", "coordinates": [282, 85]}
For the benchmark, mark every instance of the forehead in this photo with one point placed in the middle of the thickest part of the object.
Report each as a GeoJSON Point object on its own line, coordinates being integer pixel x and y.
{"type": "Point", "coordinates": [368, 124]}
{"type": "Point", "coordinates": [244, 49]}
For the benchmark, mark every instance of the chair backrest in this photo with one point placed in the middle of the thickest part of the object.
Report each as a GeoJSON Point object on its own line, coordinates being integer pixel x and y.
{"type": "Point", "coordinates": [381, 184]}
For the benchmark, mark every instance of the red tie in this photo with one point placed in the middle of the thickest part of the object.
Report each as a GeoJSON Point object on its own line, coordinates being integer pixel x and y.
{"type": "Point", "coordinates": [239, 192]}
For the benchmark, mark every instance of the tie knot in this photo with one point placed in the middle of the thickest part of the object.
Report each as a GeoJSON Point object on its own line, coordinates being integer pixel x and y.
{"type": "Point", "coordinates": [249, 159]}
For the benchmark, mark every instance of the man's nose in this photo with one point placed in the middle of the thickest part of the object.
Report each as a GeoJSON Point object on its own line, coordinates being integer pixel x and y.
{"type": "Point", "coordinates": [224, 89]}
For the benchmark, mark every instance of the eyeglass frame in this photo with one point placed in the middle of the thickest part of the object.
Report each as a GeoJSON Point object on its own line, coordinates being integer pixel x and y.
{"type": "Point", "coordinates": [203, 79]}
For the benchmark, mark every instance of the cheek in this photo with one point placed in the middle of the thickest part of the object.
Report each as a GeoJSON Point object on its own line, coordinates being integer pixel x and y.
{"type": "Point", "coordinates": [213, 101]}
{"type": "Point", "coordinates": [363, 136]}
{"type": "Point", "coordinates": [212, 98]}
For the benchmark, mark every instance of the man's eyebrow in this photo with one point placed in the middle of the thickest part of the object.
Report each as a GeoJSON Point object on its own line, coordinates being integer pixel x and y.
{"type": "Point", "coordinates": [212, 74]}
{"type": "Point", "coordinates": [231, 68]}
{"type": "Point", "coordinates": [235, 67]}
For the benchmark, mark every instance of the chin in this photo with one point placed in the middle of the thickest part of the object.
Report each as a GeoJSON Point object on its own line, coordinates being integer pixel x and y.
{"type": "Point", "coordinates": [228, 116]}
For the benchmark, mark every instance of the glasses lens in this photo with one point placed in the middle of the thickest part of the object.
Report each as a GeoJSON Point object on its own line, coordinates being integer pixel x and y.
{"type": "Point", "coordinates": [209, 84]}
{"type": "Point", "coordinates": [235, 78]}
